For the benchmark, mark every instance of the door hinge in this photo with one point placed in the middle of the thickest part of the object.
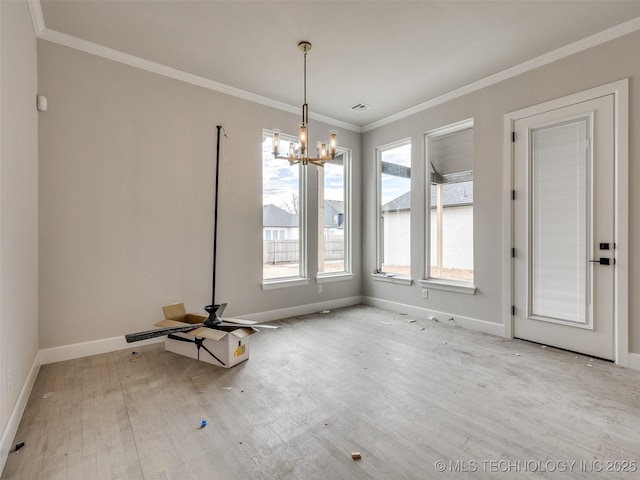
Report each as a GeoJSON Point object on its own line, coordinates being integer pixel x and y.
{"type": "Point", "coordinates": [513, 253]}
{"type": "Point", "coordinates": [513, 194]}
{"type": "Point", "coordinates": [513, 309]}
{"type": "Point", "coordinates": [513, 136]}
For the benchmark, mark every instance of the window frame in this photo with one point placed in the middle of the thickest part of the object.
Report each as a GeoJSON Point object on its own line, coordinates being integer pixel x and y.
{"type": "Point", "coordinates": [445, 284]}
{"type": "Point", "coordinates": [302, 277]}
{"type": "Point", "coordinates": [347, 272]}
{"type": "Point", "coordinates": [378, 274]}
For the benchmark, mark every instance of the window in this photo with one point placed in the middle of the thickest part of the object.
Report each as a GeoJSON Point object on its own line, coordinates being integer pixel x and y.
{"type": "Point", "coordinates": [333, 216]}
{"type": "Point", "coordinates": [450, 203]}
{"type": "Point", "coordinates": [394, 209]}
{"type": "Point", "coordinates": [282, 214]}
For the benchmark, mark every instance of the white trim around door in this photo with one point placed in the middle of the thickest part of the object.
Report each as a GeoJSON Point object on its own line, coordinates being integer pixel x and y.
{"type": "Point", "coordinates": [620, 91]}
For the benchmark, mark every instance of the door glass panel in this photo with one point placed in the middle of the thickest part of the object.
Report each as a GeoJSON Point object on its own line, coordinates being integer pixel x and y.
{"type": "Point", "coordinates": [560, 236]}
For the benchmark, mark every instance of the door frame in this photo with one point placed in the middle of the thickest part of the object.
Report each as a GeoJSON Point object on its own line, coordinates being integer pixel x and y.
{"type": "Point", "coordinates": [620, 91]}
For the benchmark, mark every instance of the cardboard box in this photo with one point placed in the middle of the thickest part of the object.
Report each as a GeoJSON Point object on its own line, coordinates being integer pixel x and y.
{"type": "Point", "coordinates": [224, 347]}
{"type": "Point", "coordinates": [178, 312]}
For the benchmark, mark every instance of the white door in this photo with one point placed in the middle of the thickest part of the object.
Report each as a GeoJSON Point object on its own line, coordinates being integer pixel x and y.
{"type": "Point", "coordinates": [564, 256]}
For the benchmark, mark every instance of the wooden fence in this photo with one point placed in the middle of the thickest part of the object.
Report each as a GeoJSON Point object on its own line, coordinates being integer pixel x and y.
{"type": "Point", "coordinates": [288, 251]}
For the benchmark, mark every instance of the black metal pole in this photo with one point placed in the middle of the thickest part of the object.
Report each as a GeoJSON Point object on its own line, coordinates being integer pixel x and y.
{"type": "Point", "coordinates": [214, 315]}
{"type": "Point", "coordinates": [215, 218]}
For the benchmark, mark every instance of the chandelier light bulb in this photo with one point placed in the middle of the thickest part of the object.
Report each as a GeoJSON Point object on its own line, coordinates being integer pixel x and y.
{"type": "Point", "coordinates": [333, 143]}
{"type": "Point", "coordinates": [276, 143]}
{"type": "Point", "coordinates": [303, 138]}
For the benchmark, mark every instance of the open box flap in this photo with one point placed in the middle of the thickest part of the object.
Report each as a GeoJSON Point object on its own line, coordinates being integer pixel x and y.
{"type": "Point", "coordinates": [166, 323]}
{"type": "Point", "coordinates": [177, 311]}
{"type": "Point", "coordinates": [242, 332]}
{"type": "Point", "coordinates": [195, 317]}
{"type": "Point", "coordinates": [210, 333]}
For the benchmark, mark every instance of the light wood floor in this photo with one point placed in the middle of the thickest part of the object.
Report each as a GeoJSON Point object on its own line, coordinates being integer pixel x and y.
{"type": "Point", "coordinates": [404, 394]}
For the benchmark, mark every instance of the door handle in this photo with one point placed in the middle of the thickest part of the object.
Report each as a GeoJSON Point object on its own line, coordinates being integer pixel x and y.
{"type": "Point", "coordinates": [602, 261]}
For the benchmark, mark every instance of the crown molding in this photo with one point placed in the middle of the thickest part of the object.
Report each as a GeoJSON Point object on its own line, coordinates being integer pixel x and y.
{"type": "Point", "coordinates": [596, 39]}
{"type": "Point", "coordinates": [76, 43]}
{"type": "Point", "coordinates": [558, 54]}
{"type": "Point", "coordinates": [35, 7]}
{"type": "Point", "coordinates": [133, 61]}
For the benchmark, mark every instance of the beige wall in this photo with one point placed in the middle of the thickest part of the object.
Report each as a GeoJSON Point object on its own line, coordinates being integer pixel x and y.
{"type": "Point", "coordinates": [606, 63]}
{"type": "Point", "coordinates": [18, 210]}
{"type": "Point", "coordinates": [127, 163]}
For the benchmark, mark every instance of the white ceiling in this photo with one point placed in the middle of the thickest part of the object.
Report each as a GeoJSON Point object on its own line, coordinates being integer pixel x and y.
{"type": "Point", "coordinates": [390, 55]}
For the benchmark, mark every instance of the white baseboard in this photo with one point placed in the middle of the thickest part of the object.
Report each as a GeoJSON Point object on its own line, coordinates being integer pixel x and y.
{"type": "Point", "coordinates": [95, 347]}
{"type": "Point", "coordinates": [86, 349]}
{"type": "Point", "coordinates": [446, 318]}
{"type": "Point", "coordinates": [10, 430]}
{"type": "Point", "coordinates": [301, 309]}
{"type": "Point", "coordinates": [634, 361]}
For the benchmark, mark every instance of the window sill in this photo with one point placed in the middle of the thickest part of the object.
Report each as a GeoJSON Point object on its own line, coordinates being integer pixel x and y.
{"type": "Point", "coordinates": [333, 277]}
{"type": "Point", "coordinates": [449, 286]}
{"type": "Point", "coordinates": [284, 283]}
{"type": "Point", "coordinates": [392, 278]}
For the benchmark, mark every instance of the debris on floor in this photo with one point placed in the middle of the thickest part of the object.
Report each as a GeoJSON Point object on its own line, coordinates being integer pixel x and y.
{"type": "Point", "coordinates": [226, 388]}
{"type": "Point", "coordinates": [411, 321]}
{"type": "Point", "coordinates": [356, 455]}
{"type": "Point", "coordinates": [203, 424]}
{"type": "Point", "coordinates": [18, 446]}
{"type": "Point", "coordinates": [385, 323]}
{"type": "Point", "coordinates": [134, 356]}
{"type": "Point", "coordinates": [47, 395]}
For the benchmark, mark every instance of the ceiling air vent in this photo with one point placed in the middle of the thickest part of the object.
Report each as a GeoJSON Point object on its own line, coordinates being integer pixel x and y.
{"type": "Point", "coordinates": [359, 107]}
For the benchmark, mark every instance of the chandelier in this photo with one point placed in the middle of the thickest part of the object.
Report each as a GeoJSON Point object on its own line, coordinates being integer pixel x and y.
{"type": "Point", "coordinates": [299, 153]}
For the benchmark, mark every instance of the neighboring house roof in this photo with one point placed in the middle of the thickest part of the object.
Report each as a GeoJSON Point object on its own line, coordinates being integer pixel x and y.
{"type": "Point", "coordinates": [333, 214]}
{"type": "Point", "coordinates": [273, 216]}
{"type": "Point", "coordinates": [454, 195]}
{"type": "Point", "coordinates": [337, 205]}
{"type": "Point", "coordinates": [403, 202]}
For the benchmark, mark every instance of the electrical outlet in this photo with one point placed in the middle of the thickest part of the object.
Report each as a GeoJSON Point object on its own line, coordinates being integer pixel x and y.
{"type": "Point", "coordinates": [425, 293]}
